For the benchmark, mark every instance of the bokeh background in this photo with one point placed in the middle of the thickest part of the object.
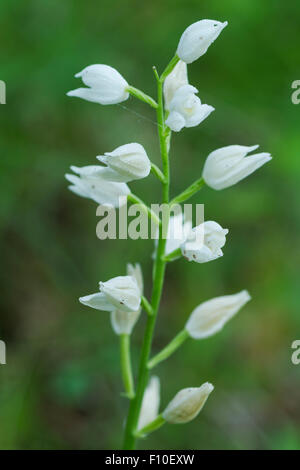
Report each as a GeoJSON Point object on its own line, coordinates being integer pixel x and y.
{"type": "Point", "coordinates": [60, 388]}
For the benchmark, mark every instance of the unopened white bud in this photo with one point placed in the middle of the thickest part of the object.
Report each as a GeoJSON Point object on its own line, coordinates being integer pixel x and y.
{"type": "Point", "coordinates": [135, 271]}
{"type": "Point", "coordinates": [150, 404]}
{"type": "Point", "coordinates": [210, 316]}
{"type": "Point", "coordinates": [187, 403]}
{"type": "Point", "coordinates": [229, 165]}
{"type": "Point", "coordinates": [128, 162]}
{"type": "Point", "coordinates": [197, 38]}
{"type": "Point", "coordinates": [106, 85]}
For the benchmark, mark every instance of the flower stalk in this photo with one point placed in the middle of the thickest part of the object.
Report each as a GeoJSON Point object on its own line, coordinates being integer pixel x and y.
{"type": "Point", "coordinates": [136, 200]}
{"type": "Point", "coordinates": [169, 349]}
{"type": "Point", "coordinates": [157, 172]}
{"type": "Point", "coordinates": [169, 68]}
{"type": "Point", "coordinates": [153, 426]}
{"type": "Point", "coordinates": [173, 255]}
{"type": "Point", "coordinates": [158, 272]}
{"type": "Point", "coordinates": [142, 96]}
{"type": "Point", "coordinates": [146, 306]}
{"type": "Point", "coordinates": [188, 192]}
{"type": "Point", "coordinates": [126, 365]}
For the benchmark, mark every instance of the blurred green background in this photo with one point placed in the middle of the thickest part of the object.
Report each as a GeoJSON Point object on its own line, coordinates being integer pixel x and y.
{"type": "Point", "coordinates": [61, 386]}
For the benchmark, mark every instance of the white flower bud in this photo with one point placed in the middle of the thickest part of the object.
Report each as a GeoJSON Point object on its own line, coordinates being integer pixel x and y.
{"type": "Point", "coordinates": [178, 230]}
{"type": "Point", "coordinates": [123, 322]}
{"type": "Point", "coordinates": [120, 293]}
{"type": "Point", "coordinates": [204, 242]}
{"type": "Point", "coordinates": [136, 272]}
{"type": "Point", "coordinates": [176, 79]}
{"type": "Point", "coordinates": [186, 109]}
{"type": "Point", "coordinates": [123, 292]}
{"type": "Point", "coordinates": [93, 183]}
{"type": "Point", "coordinates": [197, 38]}
{"type": "Point", "coordinates": [229, 165]}
{"type": "Point", "coordinates": [210, 316]}
{"type": "Point", "coordinates": [187, 403]}
{"type": "Point", "coordinates": [106, 85]}
{"type": "Point", "coordinates": [150, 404]}
{"type": "Point", "coordinates": [128, 162]}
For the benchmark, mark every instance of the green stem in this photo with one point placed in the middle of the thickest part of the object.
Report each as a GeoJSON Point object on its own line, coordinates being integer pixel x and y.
{"type": "Point", "coordinates": [158, 280]}
{"type": "Point", "coordinates": [146, 306]}
{"type": "Point", "coordinates": [136, 200]}
{"type": "Point", "coordinates": [188, 192]}
{"type": "Point", "coordinates": [126, 365]}
{"type": "Point", "coordinates": [169, 67]}
{"type": "Point", "coordinates": [157, 172]}
{"type": "Point", "coordinates": [173, 255]}
{"type": "Point", "coordinates": [155, 424]}
{"type": "Point", "coordinates": [142, 96]}
{"type": "Point", "coordinates": [169, 349]}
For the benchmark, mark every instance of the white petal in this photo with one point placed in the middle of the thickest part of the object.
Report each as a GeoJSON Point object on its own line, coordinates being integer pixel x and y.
{"type": "Point", "coordinates": [79, 191]}
{"type": "Point", "coordinates": [181, 95]}
{"type": "Point", "coordinates": [87, 94]}
{"type": "Point", "coordinates": [127, 149]}
{"type": "Point", "coordinates": [123, 292]}
{"type": "Point", "coordinates": [90, 170]}
{"type": "Point", "coordinates": [123, 322]}
{"type": "Point", "coordinates": [178, 231]}
{"type": "Point", "coordinates": [176, 79]}
{"type": "Point", "coordinates": [202, 113]}
{"type": "Point", "coordinates": [101, 76]}
{"type": "Point", "coordinates": [229, 165]}
{"type": "Point", "coordinates": [231, 153]}
{"type": "Point", "coordinates": [187, 404]}
{"type": "Point", "coordinates": [204, 242]}
{"type": "Point", "coordinates": [245, 168]}
{"type": "Point", "coordinates": [136, 272]}
{"type": "Point", "coordinates": [150, 404]}
{"type": "Point", "coordinates": [98, 301]}
{"type": "Point", "coordinates": [78, 187]}
{"type": "Point", "coordinates": [175, 121]}
{"type": "Point", "coordinates": [129, 161]}
{"type": "Point", "coordinates": [210, 316]}
{"type": "Point", "coordinates": [93, 184]}
{"type": "Point", "coordinates": [201, 255]}
{"type": "Point", "coordinates": [95, 171]}
{"type": "Point", "coordinates": [186, 109]}
{"type": "Point", "coordinates": [197, 38]}
{"type": "Point", "coordinates": [109, 193]}
{"type": "Point", "coordinates": [107, 86]}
